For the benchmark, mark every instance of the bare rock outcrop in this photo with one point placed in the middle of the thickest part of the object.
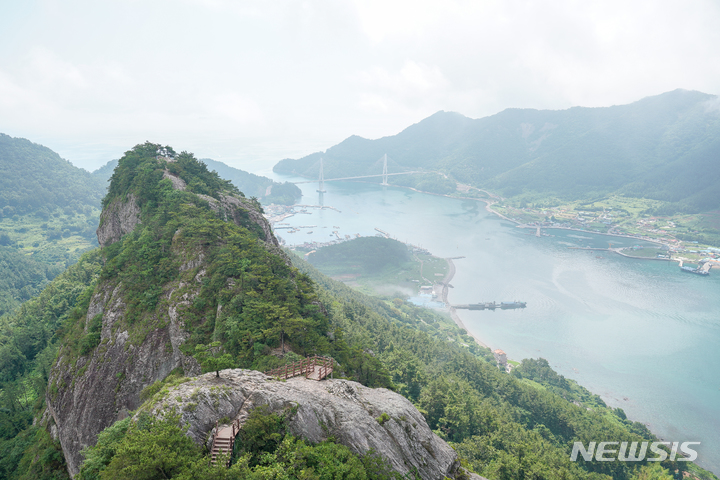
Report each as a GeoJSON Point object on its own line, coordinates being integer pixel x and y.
{"type": "Point", "coordinates": [177, 182]}
{"type": "Point", "coordinates": [118, 219]}
{"type": "Point", "coordinates": [344, 410]}
{"type": "Point", "coordinates": [243, 213]}
{"type": "Point", "coordinates": [87, 394]}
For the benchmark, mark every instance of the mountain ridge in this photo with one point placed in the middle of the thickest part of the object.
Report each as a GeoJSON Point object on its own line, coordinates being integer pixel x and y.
{"type": "Point", "coordinates": [249, 183]}
{"type": "Point", "coordinates": [654, 147]}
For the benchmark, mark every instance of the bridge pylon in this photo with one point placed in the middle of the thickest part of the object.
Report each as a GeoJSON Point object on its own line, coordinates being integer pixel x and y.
{"type": "Point", "coordinates": [385, 172]}
{"type": "Point", "coordinates": [321, 180]}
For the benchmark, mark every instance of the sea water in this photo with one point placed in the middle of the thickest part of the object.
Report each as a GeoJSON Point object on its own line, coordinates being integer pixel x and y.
{"type": "Point", "coordinates": [642, 334]}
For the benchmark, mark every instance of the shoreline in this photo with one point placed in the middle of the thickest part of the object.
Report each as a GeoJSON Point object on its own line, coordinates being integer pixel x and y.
{"type": "Point", "coordinates": [489, 203]}
{"type": "Point", "coordinates": [451, 309]}
{"type": "Point", "coordinates": [613, 396]}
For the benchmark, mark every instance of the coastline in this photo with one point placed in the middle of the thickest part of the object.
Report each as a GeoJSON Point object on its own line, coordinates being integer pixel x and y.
{"type": "Point", "coordinates": [489, 203]}
{"type": "Point", "coordinates": [613, 395]}
{"type": "Point", "coordinates": [451, 309]}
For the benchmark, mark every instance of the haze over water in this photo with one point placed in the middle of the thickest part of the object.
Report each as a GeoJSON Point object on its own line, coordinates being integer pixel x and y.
{"type": "Point", "coordinates": [640, 333]}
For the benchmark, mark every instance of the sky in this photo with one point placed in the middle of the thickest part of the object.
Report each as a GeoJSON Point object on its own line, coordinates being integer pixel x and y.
{"type": "Point", "coordinates": [252, 82]}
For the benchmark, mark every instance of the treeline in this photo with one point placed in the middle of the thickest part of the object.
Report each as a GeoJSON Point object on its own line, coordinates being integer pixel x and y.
{"type": "Point", "coordinates": [34, 178]}
{"type": "Point", "coordinates": [43, 201]}
{"type": "Point", "coordinates": [265, 449]}
{"type": "Point", "coordinates": [429, 182]}
{"type": "Point", "coordinates": [502, 425]}
{"type": "Point", "coordinates": [22, 277]}
{"type": "Point", "coordinates": [250, 184]}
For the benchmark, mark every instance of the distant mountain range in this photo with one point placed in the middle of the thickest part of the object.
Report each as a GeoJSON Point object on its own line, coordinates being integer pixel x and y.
{"type": "Point", "coordinates": [665, 147]}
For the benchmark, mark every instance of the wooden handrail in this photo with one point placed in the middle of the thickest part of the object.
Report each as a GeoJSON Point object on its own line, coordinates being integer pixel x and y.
{"type": "Point", "coordinates": [306, 366]}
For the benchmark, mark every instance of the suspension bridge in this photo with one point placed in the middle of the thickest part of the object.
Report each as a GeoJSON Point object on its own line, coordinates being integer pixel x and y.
{"type": "Point", "coordinates": [321, 180]}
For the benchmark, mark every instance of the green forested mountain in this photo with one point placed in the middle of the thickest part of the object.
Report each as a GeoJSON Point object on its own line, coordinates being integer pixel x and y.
{"type": "Point", "coordinates": [372, 254]}
{"type": "Point", "coordinates": [250, 184]}
{"type": "Point", "coordinates": [664, 147]}
{"type": "Point", "coordinates": [255, 185]}
{"type": "Point", "coordinates": [28, 345]}
{"type": "Point", "coordinates": [207, 258]}
{"type": "Point", "coordinates": [49, 211]}
{"type": "Point", "coordinates": [34, 179]}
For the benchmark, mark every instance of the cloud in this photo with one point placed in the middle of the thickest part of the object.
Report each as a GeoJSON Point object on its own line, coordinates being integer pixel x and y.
{"type": "Point", "coordinates": [49, 69]}
{"type": "Point", "coordinates": [237, 108]}
{"type": "Point", "coordinates": [411, 84]}
{"type": "Point", "coordinates": [299, 75]}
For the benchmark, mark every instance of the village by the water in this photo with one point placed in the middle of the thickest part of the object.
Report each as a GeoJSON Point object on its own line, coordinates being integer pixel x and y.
{"type": "Point", "coordinates": [690, 256]}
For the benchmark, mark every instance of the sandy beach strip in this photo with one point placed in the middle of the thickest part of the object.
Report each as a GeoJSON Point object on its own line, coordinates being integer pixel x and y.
{"type": "Point", "coordinates": [453, 313]}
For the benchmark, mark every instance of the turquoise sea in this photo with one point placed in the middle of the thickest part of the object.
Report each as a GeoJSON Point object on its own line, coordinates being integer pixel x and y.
{"type": "Point", "coordinates": [640, 333]}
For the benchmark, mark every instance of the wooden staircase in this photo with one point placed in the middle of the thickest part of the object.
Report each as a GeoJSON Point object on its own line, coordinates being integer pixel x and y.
{"type": "Point", "coordinates": [314, 368]}
{"type": "Point", "coordinates": [224, 441]}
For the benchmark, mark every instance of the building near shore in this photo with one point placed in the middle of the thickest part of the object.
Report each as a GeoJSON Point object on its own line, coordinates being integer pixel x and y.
{"type": "Point", "coordinates": [500, 357]}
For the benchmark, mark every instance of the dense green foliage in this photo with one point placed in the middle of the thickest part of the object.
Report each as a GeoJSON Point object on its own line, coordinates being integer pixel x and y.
{"type": "Point", "coordinates": [22, 277]}
{"type": "Point", "coordinates": [158, 448]}
{"type": "Point", "coordinates": [48, 216]}
{"type": "Point", "coordinates": [663, 147]}
{"type": "Point", "coordinates": [212, 358]}
{"type": "Point", "coordinates": [428, 182]}
{"type": "Point", "coordinates": [505, 427]}
{"type": "Point", "coordinates": [265, 302]}
{"type": "Point", "coordinates": [248, 183]}
{"type": "Point", "coordinates": [370, 254]}
{"type": "Point", "coordinates": [28, 344]}
{"type": "Point", "coordinates": [140, 170]}
{"type": "Point", "coordinates": [33, 178]}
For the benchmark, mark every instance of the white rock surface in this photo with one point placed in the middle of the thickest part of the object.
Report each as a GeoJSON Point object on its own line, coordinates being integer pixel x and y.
{"type": "Point", "coordinates": [342, 409]}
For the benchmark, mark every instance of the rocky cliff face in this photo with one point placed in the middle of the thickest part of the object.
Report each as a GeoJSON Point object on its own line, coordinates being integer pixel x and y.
{"type": "Point", "coordinates": [87, 393]}
{"type": "Point", "coordinates": [243, 213]}
{"type": "Point", "coordinates": [117, 219]}
{"type": "Point", "coordinates": [344, 410]}
{"type": "Point", "coordinates": [140, 325]}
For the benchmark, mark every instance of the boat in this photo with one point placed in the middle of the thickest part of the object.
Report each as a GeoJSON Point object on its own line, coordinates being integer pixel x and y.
{"type": "Point", "coordinates": [696, 271]}
{"type": "Point", "coordinates": [492, 305]}
{"type": "Point", "coordinates": [506, 305]}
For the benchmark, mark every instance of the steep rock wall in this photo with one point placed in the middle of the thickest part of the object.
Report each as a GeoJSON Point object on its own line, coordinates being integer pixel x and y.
{"type": "Point", "coordinates": [88, 393]}
{"type": "Point", "coordinates": [117, 219]}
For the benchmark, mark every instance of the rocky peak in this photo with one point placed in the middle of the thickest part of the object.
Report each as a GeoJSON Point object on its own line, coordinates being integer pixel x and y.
{"type": "Point", "coordinates": [347, 411]}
